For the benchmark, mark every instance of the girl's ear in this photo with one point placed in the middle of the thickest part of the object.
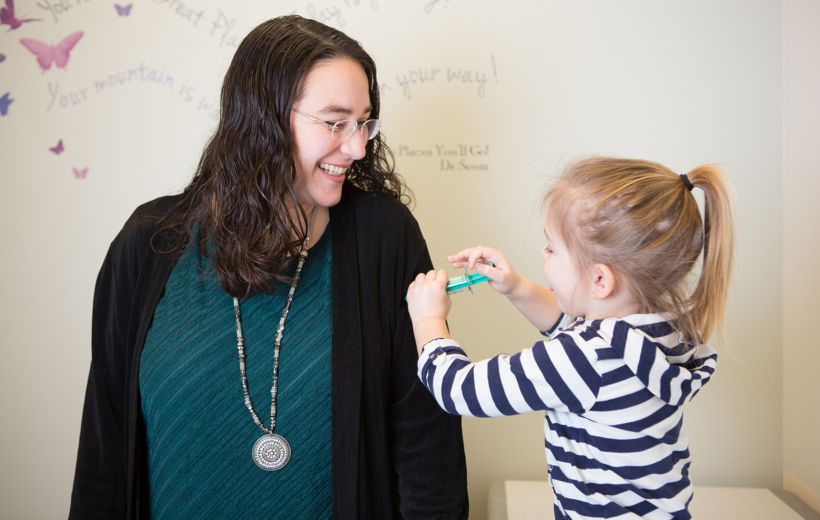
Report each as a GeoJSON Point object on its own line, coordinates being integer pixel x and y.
{"type": "Point", "coordinates": [603, 281]}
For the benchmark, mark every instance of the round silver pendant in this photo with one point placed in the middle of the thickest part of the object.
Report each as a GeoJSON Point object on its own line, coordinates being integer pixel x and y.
{"type": "Point", "coordinates": [271, 452]}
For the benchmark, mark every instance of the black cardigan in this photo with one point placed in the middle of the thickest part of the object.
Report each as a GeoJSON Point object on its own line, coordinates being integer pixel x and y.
{"type": "Point", "coordinates": [395, 453]}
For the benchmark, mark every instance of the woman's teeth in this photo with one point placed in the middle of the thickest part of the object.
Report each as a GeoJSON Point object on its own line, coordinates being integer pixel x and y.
{"type": "Point", "coordinates": [333, 170]}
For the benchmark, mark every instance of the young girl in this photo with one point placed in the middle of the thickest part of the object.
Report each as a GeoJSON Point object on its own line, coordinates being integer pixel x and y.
{"type": "Point", "coordinates": [622, 237]}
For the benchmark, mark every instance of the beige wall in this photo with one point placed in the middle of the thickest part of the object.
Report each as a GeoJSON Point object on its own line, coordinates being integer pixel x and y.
{"type": "Point", "coordinates": [801, 250]}
{"type": "Point", "coordinates": [683, 83]}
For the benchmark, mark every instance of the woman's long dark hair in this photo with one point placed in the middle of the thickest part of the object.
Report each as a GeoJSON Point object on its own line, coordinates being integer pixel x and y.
{"type": "Point", "coordinates": [244, 184]}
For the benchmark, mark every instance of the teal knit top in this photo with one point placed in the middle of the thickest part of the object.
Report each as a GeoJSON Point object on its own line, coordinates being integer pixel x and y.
{"type": "Point", "coordinates": [200, 434]}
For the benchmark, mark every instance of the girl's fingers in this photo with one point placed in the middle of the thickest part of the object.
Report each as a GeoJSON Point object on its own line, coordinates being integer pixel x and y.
{"type": "Point", "coordinates": [480, 253]}
{"type": "Point", "coordinates": [493, 273]}
{"type": "Point", "coordinates": [429, 277]}
{"type": "Point", "coordinates": [469, 256]}
{"type": "Point", "coordinates": [503, 278]}
{"type": "Point", "coordinates": [461, 256]}
{"type": "Point", "coordinates": [484, 255]}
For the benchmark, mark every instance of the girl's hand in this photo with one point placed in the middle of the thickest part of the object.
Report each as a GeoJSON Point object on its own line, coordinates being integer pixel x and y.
{"type": "Point", "coordinates": [503, 278]}
{"type": "Point", "coordinates": [427, 296]}
{"type": "Point", "coordinates": [428, 304]}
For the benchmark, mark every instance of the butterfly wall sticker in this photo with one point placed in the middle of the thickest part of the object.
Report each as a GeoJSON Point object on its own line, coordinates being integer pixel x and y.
{"type": "Point", "coordinates": [80, 173]}
{"type": "Point", "coordinates": [2, 58]}
{"type": "Point", "coordinates": [7, 17]}
{"type": "Point", "coordinates": [56, 54]}
{"type": "Point", "coordinates": [123, 10]}
{"type": "Point", "coordinates": [57, 149]}
{"type": "Point", "coordinates": [5, 101]}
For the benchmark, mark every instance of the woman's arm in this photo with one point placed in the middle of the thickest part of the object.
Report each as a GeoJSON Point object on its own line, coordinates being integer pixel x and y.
{"type": "Point", "coordinates": [130, 282]}
{"type": "Point", "coordinates": [428, 450]}
{"type": "Point", "coordinates": [99, 478]}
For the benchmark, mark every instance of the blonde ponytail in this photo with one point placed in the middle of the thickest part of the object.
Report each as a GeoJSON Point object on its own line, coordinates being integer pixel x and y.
{"type": "Point", "coordinates": [707, 304]}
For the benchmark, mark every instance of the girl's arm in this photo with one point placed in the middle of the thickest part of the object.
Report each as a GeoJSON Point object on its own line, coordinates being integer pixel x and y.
{"type": "Point", "coordinates": [429, 305]}
{"type": "Point", "coordinates": [559, 375]}
{"type": "Point", "coordinates": [556, 375]}
{"type": "Point", "coordinates": [535, 302]}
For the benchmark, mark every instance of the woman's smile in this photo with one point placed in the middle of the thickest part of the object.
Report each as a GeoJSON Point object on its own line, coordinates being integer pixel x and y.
{"type": "Point", "coordinates": [336, 171]}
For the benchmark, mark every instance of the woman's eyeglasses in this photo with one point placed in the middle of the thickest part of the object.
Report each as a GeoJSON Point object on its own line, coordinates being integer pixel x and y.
{"type": "Point", "coordinates": [343, 130]}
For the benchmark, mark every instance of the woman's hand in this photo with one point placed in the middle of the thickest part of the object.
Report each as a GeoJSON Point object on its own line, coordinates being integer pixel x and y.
{"type": "Point", "coordinates": [503, 278]}
{"type": "Point", "coordinates": [429, 305]}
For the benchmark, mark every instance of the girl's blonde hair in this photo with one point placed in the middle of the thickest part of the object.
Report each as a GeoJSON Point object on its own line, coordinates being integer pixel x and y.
{"type": "Point", "coordinates": [640, 219]}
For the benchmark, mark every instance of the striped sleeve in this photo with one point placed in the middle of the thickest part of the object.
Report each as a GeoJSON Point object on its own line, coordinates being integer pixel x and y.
{"type": "Point", "coordinates": [555, 375]}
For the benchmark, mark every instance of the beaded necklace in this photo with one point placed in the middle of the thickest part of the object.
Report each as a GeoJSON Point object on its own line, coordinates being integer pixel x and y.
{"type": "Point", "coordinates": [270, 452]}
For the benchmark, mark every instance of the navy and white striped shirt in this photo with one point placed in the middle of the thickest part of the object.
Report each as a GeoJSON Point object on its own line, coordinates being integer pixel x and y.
{"type": "Point", "coordinates": [613, 391]}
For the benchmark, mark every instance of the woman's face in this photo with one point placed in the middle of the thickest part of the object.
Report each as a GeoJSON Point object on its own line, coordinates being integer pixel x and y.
{"type": "Point", "coordinates": [333, 91]}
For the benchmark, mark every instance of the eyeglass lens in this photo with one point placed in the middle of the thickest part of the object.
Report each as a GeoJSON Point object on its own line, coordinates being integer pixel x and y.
{"type": "Point", "coordinates": [343, 130]}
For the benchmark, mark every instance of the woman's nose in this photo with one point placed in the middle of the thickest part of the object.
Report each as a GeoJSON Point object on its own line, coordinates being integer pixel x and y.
{"type": "Point", "coordinates": [355, 146]}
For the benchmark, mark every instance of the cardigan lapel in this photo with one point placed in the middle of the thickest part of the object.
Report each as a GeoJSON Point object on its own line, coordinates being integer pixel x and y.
{"type": "Point", "coordinates": [346, 358]}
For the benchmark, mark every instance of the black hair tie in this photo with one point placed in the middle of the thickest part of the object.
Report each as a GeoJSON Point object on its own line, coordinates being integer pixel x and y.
{"type": "Point", "coordinates": [687, 182]}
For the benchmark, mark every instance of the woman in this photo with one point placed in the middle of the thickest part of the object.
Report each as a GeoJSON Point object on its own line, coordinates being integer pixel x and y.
{"type": "Point", "coordinates": [198, 284]}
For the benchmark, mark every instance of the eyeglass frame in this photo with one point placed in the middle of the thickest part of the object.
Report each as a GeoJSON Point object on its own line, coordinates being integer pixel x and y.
{"type": "Point", "coordinates": [359, 126]}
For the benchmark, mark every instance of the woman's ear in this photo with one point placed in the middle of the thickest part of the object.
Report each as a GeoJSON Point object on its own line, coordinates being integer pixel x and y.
{"type": "Point", "coordinates": [603, 281]}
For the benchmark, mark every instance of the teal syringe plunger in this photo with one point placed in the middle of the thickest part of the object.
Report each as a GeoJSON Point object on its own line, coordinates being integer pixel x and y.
{"type": "Point", "coordinates": [465, 282]}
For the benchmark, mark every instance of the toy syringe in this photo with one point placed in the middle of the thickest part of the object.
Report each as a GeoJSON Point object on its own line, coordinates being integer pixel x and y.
{"type": "Point", "coordinates": [465, 282]}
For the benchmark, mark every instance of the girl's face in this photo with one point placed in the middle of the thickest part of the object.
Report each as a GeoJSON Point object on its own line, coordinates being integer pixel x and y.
{"type": "Point", "coordinates": [563, 277]}
{"type": "Point", "coordinates": [333, 91]}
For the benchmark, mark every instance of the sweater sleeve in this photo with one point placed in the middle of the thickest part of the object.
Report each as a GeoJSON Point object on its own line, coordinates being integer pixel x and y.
{"type": "Point", "coordinates": [100, 476]}
{"type": "Point", "coordinates": [559, 374]}
{"type": "Point", "coordinates": [428, 450]}
{"type": "Point", "coordinates": [106, 482]}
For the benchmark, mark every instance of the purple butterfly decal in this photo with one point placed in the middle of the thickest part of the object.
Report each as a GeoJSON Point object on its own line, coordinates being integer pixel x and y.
{"type": "Point", "coordinates": [2, 57]}
{"type": "Point", "coordinates": [7, 17]}
{"type": "Point", "coordinates": [48, 54]}
{"type": "Point", "coordinates": [57, 149]}
{"type": "Point", "coordinates": [123, 10]}
{"type": "Point", "coordinates": [80, 174]}
{"type": "Point", "coordinates": [5, 101]}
